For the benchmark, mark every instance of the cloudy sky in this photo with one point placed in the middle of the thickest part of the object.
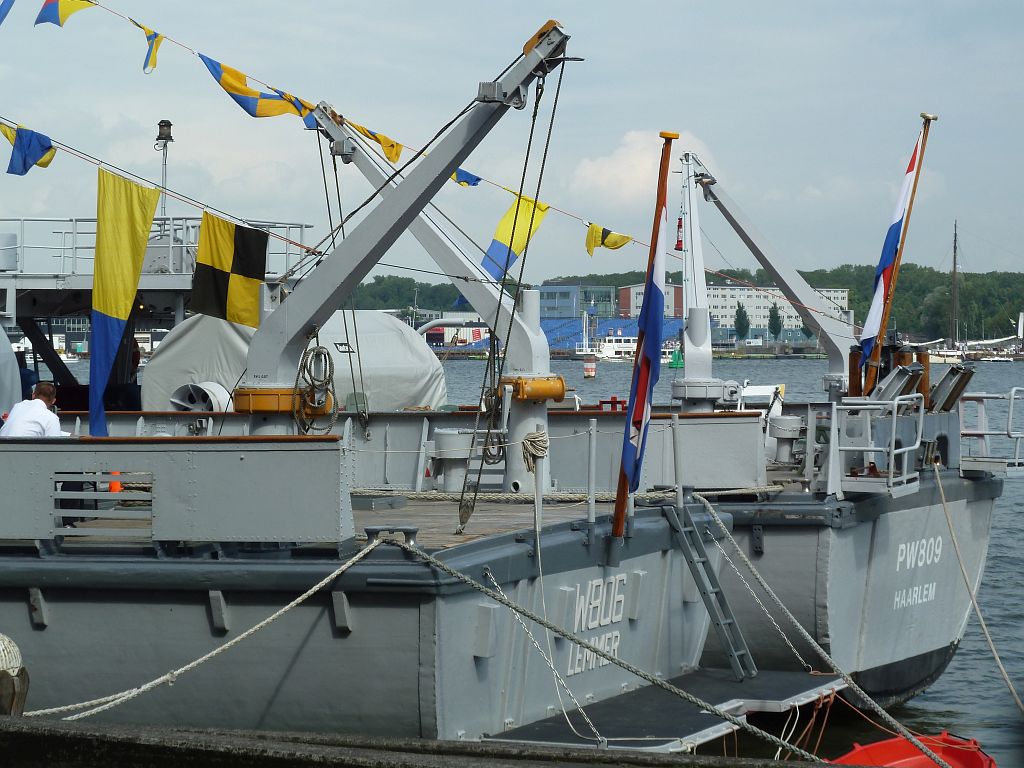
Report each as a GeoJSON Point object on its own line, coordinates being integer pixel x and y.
{"type": "Point", "coordinates": [806, 111]}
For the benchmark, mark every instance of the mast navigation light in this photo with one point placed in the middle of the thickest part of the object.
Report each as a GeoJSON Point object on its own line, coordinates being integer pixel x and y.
{"type": "Point", "coordinates": [164, 131]}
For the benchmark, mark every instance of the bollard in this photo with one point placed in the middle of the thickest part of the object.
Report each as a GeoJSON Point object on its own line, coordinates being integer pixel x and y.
{"type": "Point", "coordinates": [13, 678]}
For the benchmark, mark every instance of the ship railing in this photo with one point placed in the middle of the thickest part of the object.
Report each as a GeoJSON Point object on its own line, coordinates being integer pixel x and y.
{"type": "Point", "coordinates": [1000, 448]}
{"type": "Point", "coordinates": [67, 246]}
{"type": "Point", "coordinates": [177, 489]}
{"type": "Point", "coordinates": [881, 454]}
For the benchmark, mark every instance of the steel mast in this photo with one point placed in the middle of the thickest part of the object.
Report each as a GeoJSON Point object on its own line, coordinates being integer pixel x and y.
{"type": "Point", "coordinates": [954, 317]}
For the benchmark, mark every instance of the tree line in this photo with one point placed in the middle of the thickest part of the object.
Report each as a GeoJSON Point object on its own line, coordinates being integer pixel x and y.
{"type": "Point", "coordinates": [989, 302]}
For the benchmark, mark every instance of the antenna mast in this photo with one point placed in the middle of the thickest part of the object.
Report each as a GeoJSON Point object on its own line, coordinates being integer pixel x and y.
{"type": "Point", "coordinates": [954, 317]}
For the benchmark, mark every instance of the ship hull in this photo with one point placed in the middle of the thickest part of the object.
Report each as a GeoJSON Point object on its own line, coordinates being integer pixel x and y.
{"type": "Point", "coordinates": [390, 649]}
{"type": "Point", "coordinates": [880, 588]}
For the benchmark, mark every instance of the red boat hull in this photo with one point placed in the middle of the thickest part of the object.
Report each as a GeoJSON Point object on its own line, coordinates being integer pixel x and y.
{"type": "Point", "coordinates": [900, 753]}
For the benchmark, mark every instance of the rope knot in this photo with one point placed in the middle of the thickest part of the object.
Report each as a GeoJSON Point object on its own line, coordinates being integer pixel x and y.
{"type": "Point", "coordinates": [535, 446]}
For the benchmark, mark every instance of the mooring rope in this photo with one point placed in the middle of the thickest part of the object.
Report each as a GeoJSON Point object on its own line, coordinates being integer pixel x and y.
{"type": "Point", "coordinates": [807, 667]}
{"type": "Point", "coordinates": [646, 676]}
{"type": "Point", "coordinates": [116, 699]}
{"type": "Point", "coordinates": [559, 680]}
{"type": "Point", "coordinates": [554, 496]}
{"type": "Point", "coordinates": [805, 635]}
{"type": "Point", "coordinates": [970, 591]}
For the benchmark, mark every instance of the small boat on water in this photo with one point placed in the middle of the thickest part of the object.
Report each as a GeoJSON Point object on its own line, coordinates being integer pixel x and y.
{"type": "Point", "coordinates": [900, 753]}
{"type": "Point", "coordinates": [619, 348]}
{"type": "Point", "coordinates": [945, 356]}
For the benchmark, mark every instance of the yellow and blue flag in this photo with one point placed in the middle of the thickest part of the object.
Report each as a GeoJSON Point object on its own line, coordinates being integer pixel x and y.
{"type": "Point", "coordinates": [507, 244]}
{"type": "Point", "coordinates": [599, 237]}
{"type": "Point", "coordinates": [5, 8]}
{"type": "Point", "coordinates": [465, 178]}
{"type": "Point", "coordinates": [124, 218]}
{"type": "Point", "coordinates": [392, 149]}
{"type": "Point", "coordinates": [153, 40]}
{"type": "Point", "coordinates": [30, 148]}
{"type": "Point", "coordinates": [58, 11]}
{"type": "Point", "coordinates": [257, 103]}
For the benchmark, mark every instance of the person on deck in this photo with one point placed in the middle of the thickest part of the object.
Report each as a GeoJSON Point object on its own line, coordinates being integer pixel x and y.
{"type": "Point", "coordinates": [33, 417]}
{"type": "Point", "coordinates": [29, 378]}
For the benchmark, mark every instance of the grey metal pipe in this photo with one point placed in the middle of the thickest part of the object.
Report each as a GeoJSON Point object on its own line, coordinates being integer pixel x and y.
{"type": "Point", "coordinates": [677, 458]}
{"type": "Point", "coordinates": [592, 471]}
{"type": "Point", "coordinates": [450, 323]}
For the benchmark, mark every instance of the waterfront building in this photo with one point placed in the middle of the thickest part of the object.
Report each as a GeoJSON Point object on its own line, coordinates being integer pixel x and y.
{"type": "Point", "coordinates": [758, 301]}
{"type": "Point", "coordinates": [631, 298]}
{"type": "Point", "coordinates": [561, 301]}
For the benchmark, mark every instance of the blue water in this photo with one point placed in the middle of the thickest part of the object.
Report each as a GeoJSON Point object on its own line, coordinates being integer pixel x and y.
{"type": "Point", "coordinates": [970, 699]}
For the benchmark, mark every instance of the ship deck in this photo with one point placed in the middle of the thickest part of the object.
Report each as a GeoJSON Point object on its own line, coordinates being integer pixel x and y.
{"type": "Point", "coordinates": [437, 520]}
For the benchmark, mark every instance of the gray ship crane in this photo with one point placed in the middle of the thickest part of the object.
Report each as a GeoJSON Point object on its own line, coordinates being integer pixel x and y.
{"type": "Point", "coordinates": [835, 332]}
{"type": "Point", "coordinates": [277, 347]}
{"type": "Point", "coordinates": [518, 328]}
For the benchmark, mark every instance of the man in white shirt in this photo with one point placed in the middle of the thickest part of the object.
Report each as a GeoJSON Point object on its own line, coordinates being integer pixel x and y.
{"type": "Point", "coordinates": [33, 418]}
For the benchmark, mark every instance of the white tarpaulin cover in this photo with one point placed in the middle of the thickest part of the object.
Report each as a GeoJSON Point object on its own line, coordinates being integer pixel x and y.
{"type": "Point", "coordinates": [399, 369]}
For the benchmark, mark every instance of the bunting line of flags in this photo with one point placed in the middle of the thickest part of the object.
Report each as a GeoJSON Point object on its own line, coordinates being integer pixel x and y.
{"type": "Point", "coordinates": [28, 149]}
{"type": "Point", "coordinates": [59, 11]}
{"type": "Point", "coordinates": [153, 41]}
{"type": "Point", "coordinates": [34, 149]}
{"type": "Point", "coordinates": [5, 8]}
{"type": "Point", "coordinates": [257, 103]}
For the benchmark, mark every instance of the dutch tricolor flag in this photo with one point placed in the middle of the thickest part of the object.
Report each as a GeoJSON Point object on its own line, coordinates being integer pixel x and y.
{"type": "Point", "coordinates": [883, 275]}
{"type": "Point", "coordinates": [647, 366]}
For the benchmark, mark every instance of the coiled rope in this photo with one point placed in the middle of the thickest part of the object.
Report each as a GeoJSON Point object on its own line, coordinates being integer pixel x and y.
{"type": "Point", "coordinates": [970, 591]}
{"type": "Point", "coordinates": [535, 446]}
{"type": "Point", "coordinates": [95, 706]}
{"type": "Point", "coordinates": [314, 384]}
{"type": "Point", "coordinates": [889, 719]}
{"type": "Point", "coordinates": [10, 655]}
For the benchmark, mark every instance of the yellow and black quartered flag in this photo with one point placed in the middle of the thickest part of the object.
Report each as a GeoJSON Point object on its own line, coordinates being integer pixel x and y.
{"type": "Point", "coordinates": [230, 266]}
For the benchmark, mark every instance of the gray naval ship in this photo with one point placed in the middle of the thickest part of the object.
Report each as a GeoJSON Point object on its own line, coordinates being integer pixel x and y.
{"type": "Point", "coordinates": [230, 507]}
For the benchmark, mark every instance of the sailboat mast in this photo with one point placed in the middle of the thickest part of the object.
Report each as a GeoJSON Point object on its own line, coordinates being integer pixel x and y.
{"type": "Point", "coordinates": [954, 317]}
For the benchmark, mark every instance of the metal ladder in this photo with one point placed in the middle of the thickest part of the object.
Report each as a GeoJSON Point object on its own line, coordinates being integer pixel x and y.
{"type": "Point", "coordinates": [722, 618]}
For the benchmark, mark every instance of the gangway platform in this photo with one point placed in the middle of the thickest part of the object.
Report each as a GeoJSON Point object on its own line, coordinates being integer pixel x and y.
{"type": "Point", "coordinates": [652, 719]}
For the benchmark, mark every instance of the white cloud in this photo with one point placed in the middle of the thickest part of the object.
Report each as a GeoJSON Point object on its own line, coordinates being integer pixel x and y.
{"type": "Point", "coordinates": [629, 173]}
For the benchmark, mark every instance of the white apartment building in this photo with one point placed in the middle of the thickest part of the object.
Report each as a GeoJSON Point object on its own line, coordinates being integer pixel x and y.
{"type": "Point", "coordinates": [722, 301]}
